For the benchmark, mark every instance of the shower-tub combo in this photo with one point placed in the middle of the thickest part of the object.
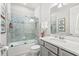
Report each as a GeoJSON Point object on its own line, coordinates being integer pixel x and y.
{"type": "Point", "coordinates": [22, 34]}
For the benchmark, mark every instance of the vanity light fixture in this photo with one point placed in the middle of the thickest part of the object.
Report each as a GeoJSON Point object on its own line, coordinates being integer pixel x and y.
{"type": "Point", "coordinates": [59, 5]}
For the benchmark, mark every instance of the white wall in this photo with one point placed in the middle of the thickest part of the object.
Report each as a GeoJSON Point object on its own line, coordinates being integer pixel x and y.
{"type": "Point", "coordinates": [43, 13]}
{"type": "Point", "coordinates": [20, 10]}
{"type": "Point", "coordinates": [37, 15]}
{"type": "Point", "coordinates": [37, 12]}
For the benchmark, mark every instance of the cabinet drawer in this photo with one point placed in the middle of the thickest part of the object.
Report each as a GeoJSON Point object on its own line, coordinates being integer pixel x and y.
{"type": "Point", "coordinates": [65, 53]}
{"type": "Point", "coordinates": [52, 48]}
{"type": "Point", "coordinates": [41, 42]}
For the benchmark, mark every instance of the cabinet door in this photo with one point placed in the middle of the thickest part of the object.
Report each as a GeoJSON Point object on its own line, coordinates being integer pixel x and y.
{"type": "Point", "coordinates": [44, 51]}
{"type": "Point", "coordinates": [51, 54]}
{"type": "Point", "coordinates": [52, 48]}
{"type": "Point", "coordinates": [0, 52]}
{"type": "Point", "coordinates": [65, 53]}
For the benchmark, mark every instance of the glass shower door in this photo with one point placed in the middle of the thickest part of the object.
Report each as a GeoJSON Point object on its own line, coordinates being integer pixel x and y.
{"type": "Point", "coordinates": [23, 28]}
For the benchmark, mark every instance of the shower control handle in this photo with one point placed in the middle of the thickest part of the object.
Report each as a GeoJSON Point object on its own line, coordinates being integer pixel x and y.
{"type": "Point", "coordinates": [25, 43]}
{"type": "Point", "coordinates": [12, 46]}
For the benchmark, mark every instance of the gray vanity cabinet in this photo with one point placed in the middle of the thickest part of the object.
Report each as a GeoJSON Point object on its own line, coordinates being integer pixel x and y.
{"type": "Point", "coordinates": [51, 54]}
{"type": "Point", "coordinates": [43, 51]}
{"type": "Point", "coordinates": [0, 52]}
{"type": "Point", "coordinates": [46, 52]}
{"type": "Point", "coordinates": [51, 47]}
{"type": "Point", "coordinates": [48, 49]}
{"type": "Point", "coordinates": [65, 53]}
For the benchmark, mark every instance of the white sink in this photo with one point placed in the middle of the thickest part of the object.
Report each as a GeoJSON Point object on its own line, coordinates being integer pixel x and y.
{"type": "Point", "coordinates": [63, 40]}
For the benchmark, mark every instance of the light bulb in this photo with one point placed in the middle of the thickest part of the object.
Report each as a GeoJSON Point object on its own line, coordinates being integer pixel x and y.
{"type": "Point", "coordinates": [60, 5]}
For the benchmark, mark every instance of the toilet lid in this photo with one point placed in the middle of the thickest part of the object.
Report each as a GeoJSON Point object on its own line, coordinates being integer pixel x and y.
{"type": "Point", "coordinates": [35, 47]}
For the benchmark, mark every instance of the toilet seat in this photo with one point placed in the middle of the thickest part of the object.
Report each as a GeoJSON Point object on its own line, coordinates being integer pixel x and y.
{"type": "Point", "coordinates": [34, 47]}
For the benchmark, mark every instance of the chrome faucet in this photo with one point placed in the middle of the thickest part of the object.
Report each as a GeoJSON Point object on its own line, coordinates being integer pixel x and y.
{"type": "Point", "coordinates": [61, 37]}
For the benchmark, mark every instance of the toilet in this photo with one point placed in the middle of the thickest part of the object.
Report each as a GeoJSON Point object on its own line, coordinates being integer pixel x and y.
{"type": "Point", "coordinates": [35, 50]}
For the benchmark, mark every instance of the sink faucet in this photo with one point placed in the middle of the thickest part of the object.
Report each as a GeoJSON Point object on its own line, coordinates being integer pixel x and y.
{"type": "Point", "coordinates": [61, 37]}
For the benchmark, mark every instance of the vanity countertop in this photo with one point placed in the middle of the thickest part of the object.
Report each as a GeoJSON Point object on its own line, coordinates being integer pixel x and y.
{"type": "Point", "coordinates": [68, 45]}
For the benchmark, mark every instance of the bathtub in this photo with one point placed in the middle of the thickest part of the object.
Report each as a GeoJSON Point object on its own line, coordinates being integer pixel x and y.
{"type": "Point", "coordinates": [20, 48]}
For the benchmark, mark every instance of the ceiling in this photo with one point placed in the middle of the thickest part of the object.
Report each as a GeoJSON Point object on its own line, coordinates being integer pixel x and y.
{"type": "Point", "coordinates": [35, 5]}
{"type": "Point", "coordinates": [32, 5]}
{"type": "Point", "coordinates": [28, 5]}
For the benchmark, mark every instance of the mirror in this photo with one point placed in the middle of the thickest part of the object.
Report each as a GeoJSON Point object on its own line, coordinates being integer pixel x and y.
{"type": "Point", "coordinates": [65, 19]}
{"type": "Point", "coordinates": [77, 25]}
